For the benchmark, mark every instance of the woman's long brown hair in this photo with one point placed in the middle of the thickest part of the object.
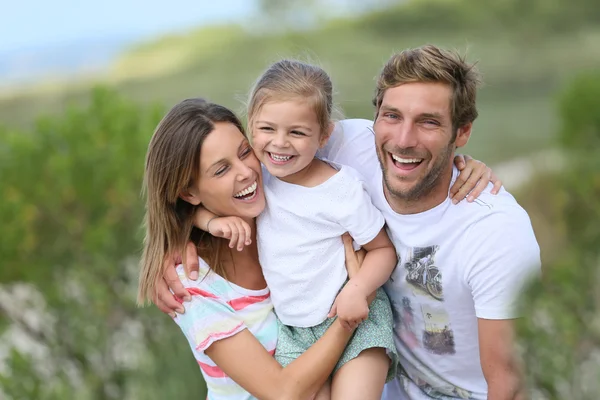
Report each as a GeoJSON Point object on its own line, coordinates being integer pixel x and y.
{"type": "Point", "coordinates": [172, 165]}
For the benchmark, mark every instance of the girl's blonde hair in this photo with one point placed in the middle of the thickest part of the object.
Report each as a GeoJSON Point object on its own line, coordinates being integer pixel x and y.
{"type": "Point", "coordinates": [289, 80]}
{"type": "Point", "coordinates": [172, 166]}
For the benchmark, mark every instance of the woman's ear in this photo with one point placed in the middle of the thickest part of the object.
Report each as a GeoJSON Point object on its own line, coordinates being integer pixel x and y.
{"type": "Point", "coordinates": [190, 196]}
{"type": "Point", "coordinates": [326, 135]}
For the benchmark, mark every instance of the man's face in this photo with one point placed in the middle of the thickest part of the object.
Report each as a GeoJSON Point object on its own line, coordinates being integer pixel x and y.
{"type": "Point", "coordinates": [414, 139]}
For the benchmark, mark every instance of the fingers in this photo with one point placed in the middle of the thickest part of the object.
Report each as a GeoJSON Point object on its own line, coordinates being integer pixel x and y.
{"type": "Point", "coordinates": [459, 183]}
{"type": "Point", "coordinates": [173, 282]}
{"type": "Point", "coordinates": [480, 186]}
{"type": "Point", "coordinates": [497, 183]}
{"type": "Point", "coordinates": [248, 231]}
{"type": "Point", "coordinates": [191, 265]}
{"type": "Point", "coordinates": [333, 311]}
{"type": "Point", "coordinates": [165, 300]}
{"type": "Point", "coordinates": [239, 234]}
{"type": "Point", "coordinates": [352, 264]}
{"type": "Point", "coordinates": [360, 256]}
{"type": "Point", "coordinates": [459, 161]}
{"type": "Point", "coordinates": [233, 239]}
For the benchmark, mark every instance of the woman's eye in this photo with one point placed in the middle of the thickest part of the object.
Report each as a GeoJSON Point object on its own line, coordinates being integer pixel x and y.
{"type": "Point", "coordinates": [221, 171]}
{"type": "Point", "coordinates": [245, 152]}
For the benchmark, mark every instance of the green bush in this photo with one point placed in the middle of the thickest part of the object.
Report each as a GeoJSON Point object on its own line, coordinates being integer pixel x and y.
{"type": "Point", "coordinates": [561, 337]}
{"type": "Point", "coordinates": [71, 214]}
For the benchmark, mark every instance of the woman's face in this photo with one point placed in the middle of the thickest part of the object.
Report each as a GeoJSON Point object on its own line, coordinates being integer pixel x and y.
{"type": "Point", "coordinates": [230, 180]}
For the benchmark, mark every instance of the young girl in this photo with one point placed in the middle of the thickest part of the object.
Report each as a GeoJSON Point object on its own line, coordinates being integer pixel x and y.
{"type": "Point", "coordinates": [310, 204]}
{"type": "Point", "coordinates": [199, 154]}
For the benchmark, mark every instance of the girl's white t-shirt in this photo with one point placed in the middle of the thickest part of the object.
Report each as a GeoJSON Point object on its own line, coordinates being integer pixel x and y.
{"type": "Point", "coordinates": [299, 237]}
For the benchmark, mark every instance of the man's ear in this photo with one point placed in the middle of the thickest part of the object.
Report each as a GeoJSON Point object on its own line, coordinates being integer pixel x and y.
{"type": "Point", "coordinates": [190, 196]}
{"type": "Point", "coordinates": [463, 134]}
{"type": "Point", "coordinates": [326, 135]}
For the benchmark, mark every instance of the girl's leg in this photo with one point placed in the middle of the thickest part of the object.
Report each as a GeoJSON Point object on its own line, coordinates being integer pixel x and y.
{"type": "Point", "coordinates": [363, 377]}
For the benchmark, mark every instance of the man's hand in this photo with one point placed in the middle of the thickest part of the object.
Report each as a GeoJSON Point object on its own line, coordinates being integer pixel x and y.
{"type": "Point", "coordinates": [169, 301]}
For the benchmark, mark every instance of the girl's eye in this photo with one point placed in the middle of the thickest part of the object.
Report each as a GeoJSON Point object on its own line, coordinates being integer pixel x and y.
{"type": "Point", "coordinates": [265, 128]}
{"type": "Point", "coordinates": [298, 133]}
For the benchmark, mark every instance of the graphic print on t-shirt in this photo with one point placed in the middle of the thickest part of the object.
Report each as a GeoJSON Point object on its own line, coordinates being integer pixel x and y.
{"type": "Point", "coordinates": [407, 324]}
{"type": "Point", "coordinates": [438, 338]}
{"type": "Point", "coordinates": [422, 272]}
{"type": "Point", "coordinates": [423, 275]}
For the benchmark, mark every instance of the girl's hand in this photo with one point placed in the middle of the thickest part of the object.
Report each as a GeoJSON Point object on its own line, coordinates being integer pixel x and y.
{"type": "Point", "coordinates": [233, 228]}
{"type": "Point", "coordinates": [473, 179]}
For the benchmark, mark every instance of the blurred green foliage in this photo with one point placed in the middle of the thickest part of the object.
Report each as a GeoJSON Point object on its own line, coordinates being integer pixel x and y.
{"type": "Point", "coordinates": [71, 214]}
{"type": "Point", "coordinates": [561, 340]}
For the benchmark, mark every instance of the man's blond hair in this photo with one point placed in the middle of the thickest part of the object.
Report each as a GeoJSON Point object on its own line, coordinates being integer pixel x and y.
{"type": "Point", "coordinates": [432, 64]}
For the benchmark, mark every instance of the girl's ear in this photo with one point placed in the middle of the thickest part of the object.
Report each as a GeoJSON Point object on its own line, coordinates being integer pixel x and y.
{"type": "Point", "coordinates": [190, 196]}
{"type": "Point", "coordinates": [326, 135]}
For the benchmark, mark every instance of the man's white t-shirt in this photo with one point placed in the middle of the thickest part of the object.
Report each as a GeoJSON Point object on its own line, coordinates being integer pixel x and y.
{"type": "Point", "coordinates": [299, 238]}
{"type": "Point", "coordinates": [457, 263]}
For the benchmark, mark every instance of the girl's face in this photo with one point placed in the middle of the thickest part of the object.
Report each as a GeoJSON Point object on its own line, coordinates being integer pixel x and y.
{"type": "Point", "coordinates": [230, 180]}
{"type": "Point", "coordinates": [286, 136]}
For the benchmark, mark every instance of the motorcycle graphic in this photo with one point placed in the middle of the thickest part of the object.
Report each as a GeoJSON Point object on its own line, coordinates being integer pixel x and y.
{"type": "Point", "coordinates": [423, 273]}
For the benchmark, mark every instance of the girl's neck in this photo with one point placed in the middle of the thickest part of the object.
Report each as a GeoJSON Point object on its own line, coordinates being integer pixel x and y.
{"type": "Point", "coordinates": [312, 175]}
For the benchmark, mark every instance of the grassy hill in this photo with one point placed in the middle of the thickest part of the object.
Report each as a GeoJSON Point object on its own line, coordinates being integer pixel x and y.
{"type": "Point", "coordinates": [522, 69]}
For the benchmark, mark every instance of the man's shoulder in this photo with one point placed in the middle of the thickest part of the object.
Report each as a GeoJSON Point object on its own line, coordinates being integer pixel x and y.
{"type": "Point", "coordinates": [490, 206]}
{"type": "Point", "coordinates": [497, 223]}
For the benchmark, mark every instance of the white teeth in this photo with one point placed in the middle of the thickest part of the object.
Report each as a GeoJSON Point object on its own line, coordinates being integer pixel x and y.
{"type": "Point", "coordinates": [248, 190]}
{"type": "Point", "coordinates": [406, 160]}
{"type": "Point", "coordinates": [278, 157]}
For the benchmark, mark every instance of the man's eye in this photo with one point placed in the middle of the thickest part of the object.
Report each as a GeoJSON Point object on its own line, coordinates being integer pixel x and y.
{"type": "Point", "coordinates": [391, 116]}
{"type": "Point", "coordinates": [245, 152]}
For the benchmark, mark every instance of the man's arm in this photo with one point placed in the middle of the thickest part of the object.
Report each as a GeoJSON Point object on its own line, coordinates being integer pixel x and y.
{"type": "Point", "coordinates": [501, 256]}
{"type": "Point", "coordinates": [501, 366]}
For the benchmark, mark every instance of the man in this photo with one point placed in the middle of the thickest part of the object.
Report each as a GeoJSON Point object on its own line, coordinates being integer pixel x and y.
{"type": "Point", "coordinates": [460, 266]}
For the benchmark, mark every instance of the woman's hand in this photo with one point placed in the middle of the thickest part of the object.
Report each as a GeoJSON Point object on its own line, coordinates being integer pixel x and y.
{"type": "Point", "coordinates": [473, 179]}
{"type": "Point", "coordinates": [354, 259]}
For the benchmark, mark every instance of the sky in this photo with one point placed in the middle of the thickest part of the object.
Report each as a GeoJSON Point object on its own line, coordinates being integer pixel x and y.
{"type": "Point", "coordinates": [37, 23]}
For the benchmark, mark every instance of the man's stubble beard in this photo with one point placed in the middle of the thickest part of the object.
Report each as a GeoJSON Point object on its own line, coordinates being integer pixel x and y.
{"type": "Point", "coordinates": [426, 185]}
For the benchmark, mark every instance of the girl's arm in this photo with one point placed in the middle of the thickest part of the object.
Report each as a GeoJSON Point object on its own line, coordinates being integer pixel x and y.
{"type": "Point", "coordinates": [351, 304]}
{"type": "Point", "coordinates": [235, 229]}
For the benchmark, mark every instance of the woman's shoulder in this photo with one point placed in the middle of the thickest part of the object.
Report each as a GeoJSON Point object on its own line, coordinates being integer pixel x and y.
{"type": "Point", "coordinates": [207, 281]}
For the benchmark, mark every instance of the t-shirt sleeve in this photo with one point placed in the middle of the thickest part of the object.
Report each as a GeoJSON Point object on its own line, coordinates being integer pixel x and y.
{"type": "Point", "coordinates": [356, 213]}
{"type": "Point", "coordinates": [503, 256]}
{"type": "Point", "coordinates": [352, 143]}
{"type": "Point", "coordinates": [207, 318]}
